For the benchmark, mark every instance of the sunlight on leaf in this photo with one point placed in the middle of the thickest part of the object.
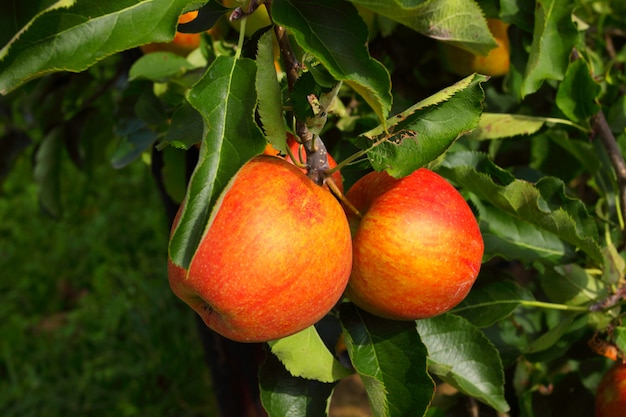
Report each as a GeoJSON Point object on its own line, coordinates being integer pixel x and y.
{"type": "Point", "coordinates": [391, 361]}
{"type": "Point", "coordinates": [423, 132]}
{"type": "Point", "coordinates": [458, 22]}
{"type": "Point", "coordinates": [84, 33]}
{"type": "Point", "coordinates": [461, 355]}
{"type": "Point", "coordinates": [305, 355]}
{"type": "Point", "coordinates": [232, 137]}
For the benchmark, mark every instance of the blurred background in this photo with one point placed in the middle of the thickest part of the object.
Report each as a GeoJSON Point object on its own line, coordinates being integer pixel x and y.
{"type": "Point", "coordinates": [88, 324]}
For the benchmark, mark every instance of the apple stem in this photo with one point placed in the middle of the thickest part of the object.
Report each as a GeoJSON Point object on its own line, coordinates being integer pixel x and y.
{"type": "Point", "coordinates": [341, 197]}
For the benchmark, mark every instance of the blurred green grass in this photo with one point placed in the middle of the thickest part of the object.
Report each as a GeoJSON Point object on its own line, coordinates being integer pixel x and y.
{"type": "Point", "coordinates": [88, 324]}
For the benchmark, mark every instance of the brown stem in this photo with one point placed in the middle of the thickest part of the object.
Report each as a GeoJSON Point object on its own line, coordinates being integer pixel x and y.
{"type": "Point", "coordinates": [316, 154]}
{"type": "Point", "coordinates": [602, 129]}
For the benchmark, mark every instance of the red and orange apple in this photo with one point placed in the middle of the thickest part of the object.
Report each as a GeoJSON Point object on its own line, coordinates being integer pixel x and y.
{"type": "Point", "coordinates": [417, 248]}
{"type": "Point", "coordinates": [275, 257]}
{"type": "Point", "coordinates": [611, 392]}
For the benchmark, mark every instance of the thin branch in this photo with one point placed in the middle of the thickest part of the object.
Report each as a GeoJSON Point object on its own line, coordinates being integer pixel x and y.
{"type": "Point", "coordinates": [602, 129]}
{"type": "Point", "coordinates": [316, 153]}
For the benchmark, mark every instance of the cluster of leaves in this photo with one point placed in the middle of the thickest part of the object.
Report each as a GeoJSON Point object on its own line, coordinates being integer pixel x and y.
{"type": "Point", "coordinates": [537, 153]}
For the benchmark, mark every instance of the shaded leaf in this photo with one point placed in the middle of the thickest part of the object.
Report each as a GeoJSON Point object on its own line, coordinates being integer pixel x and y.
{"type": "Point", "coordinates": [285, 395]}
{"type": "Point", "coordinates": [554, 37]}
{"type": "Point", "coordinates": [512, 238]}
{"type": "Point", "coordinates": [225, 98]}
{"type": "Point", "coordinates": [334, 33]}
{"type": "Point", "coordinates": [186, 127]}
{"type": "Point", "coordinates": [557, 339]}
{"type": "Point", "coordinates": [390, 358]}
{"type": "Point", "coordinates": [577, 93]}
{"type": "Point", "coordinates": [135, 138]}
{"type": "Point", "coordinates": [458, 22]}
{"type": "Point", "coordinates": [544, 204]}
{"type": "Point", "coordinates": [47, 171]}
{"type": "Point", "coordinates": [489, 304]}
{"type": "Point", "coordinates": [570, 284]}
{"type": "Point", "coordinates": [461, 355]}
{"type": "Point", "coordinates": [305, 355]}
{"type": "Point", "coordinates": [423, 132]}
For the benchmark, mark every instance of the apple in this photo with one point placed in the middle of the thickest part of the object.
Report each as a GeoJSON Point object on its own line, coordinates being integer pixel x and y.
{"type": "Point", "coordinates": [417, 247]}
{"type": "Point", "coordinates": [496, 63]}
{"type": "Point", "coordinates": [611, 392]}
{"type": "Point", "coordinates": [183, 43]}
{"type": "Point", "coordinates": [275, 256]}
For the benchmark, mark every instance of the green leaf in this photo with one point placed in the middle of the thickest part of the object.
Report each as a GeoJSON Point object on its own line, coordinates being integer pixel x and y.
{"type": "Point", "coordinates": [159, 66]}
{"type": "Point", "coordinates": [578, 93]}
{"type": "Point", "coordinates": [186, 127]}
{"type": "Point", "coordinates": [504, 125]}
{"type": "Point", "coordinates": [16, 17]}
{"type": "Point", "coordinates": [285, 395]}
{"type": "Point", "coordinates": [570, 284]}
{"type": "Point", "coordinates": [226, 100]}
{"type": "Point", "coordinates": [334, 33]}
{"type": "Point", "coordinates": [423, 132]}
{"type": "Point", "coordinates": [563, 329]}
{"type": "Point", "coordinates": [72, 36]}
{"type": "Point", "coordinates": [270, 107]}
{"type": "Point", "coordinates": [47, 171]}
{"type": "Point", "coordinates": [544, 204]}
{"type": "Point", "coordinates": [135, 138]}
{"type": "Point", "coordinates": [512, 238]}
{"type": "Point", "coordinates": [620, 337]}
{"type": "Point", "coordinates": [305, 355]}
{"type": "Point", "coordinates": [174, 173]}
{"type": "Point", "coordinates": [458, 22]}
{"type": "Point", "coordinates": [390, 358]}
{"type": "Point", "coordinates": [554, 37]}
{"type": "Point", "coordinates": [461, 355]}
{"type": "Point", "coordinates": [489, 304]}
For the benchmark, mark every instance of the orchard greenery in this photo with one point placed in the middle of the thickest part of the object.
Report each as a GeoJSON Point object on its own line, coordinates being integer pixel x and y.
{"type": "Point", "coordinates": [537, 153]}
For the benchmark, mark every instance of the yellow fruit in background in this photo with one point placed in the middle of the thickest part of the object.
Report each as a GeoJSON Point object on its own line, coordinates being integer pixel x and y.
{"type": "Point", "coordinates": [495, 63]}
{"type": "Point", "coordinates": [183, 43]}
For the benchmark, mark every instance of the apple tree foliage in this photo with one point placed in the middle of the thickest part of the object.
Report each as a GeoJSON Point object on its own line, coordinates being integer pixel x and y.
{"type": "Point", "coordinates": [538, 153]}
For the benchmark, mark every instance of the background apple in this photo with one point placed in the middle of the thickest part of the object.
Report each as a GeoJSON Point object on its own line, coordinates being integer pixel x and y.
{"type": "Point", "coordinates": [417, 249]}
{"type": "Point", "coordinates": [496, 63]}
{"type": "Point", "coordinates": [611, 392]}
{"type": "Point", "coordinates": [274, 259]}
{"type": "Point", "coordinates": [184, 43]}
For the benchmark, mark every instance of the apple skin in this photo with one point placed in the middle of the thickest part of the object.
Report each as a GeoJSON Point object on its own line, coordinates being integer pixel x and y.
{"type": "Point", "coordinates": [496, 63]}
{"type": "Point", "coordinates": [611, 392]}
{"type": "Point", "coordinates": [417, 250]}
{"type": "Point", "coordinates": [275, 257]}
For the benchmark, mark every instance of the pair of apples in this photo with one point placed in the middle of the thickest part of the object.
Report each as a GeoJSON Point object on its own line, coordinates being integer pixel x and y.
{"type": "Point", "coordinates": [279, 252]}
